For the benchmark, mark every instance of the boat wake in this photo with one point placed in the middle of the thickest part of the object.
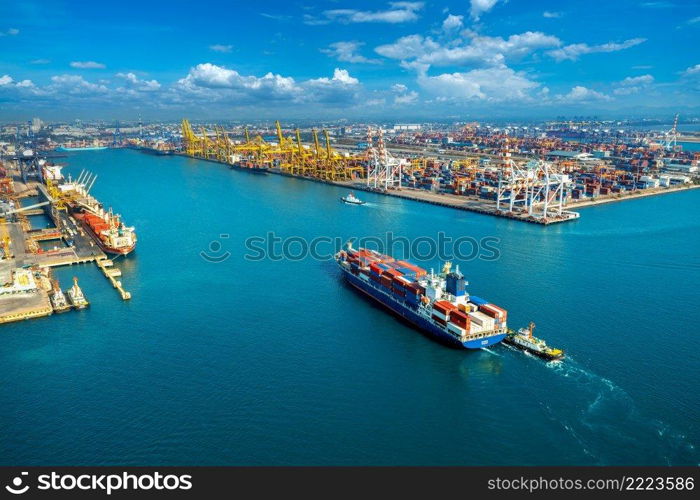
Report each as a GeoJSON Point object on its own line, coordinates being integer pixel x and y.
{"type": "Point", "coordinates": [610, 428]}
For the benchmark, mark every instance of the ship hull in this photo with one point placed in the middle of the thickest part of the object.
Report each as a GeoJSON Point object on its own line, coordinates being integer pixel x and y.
{"type": "Point", "coordinates": [101, 244]}
{"type": "Point", "coordinates": [347, 202]}
{"type": "Point", "coordinates": [91, 148]}
{"type": "Point", "coordinates": [405, 312]}
{"type": "Point", "coordinates": [155, 152]}
{"type": "Point", "coordinates": [252, 170]}
{"type": "Point", "coordinates": [539, 354]}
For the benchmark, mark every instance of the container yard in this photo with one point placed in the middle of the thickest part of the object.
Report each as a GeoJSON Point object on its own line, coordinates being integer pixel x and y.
{"type": "Point", "coordinates": [527, 175]}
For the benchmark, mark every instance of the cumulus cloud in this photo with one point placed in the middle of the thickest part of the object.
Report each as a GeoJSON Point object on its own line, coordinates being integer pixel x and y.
{"type": "Point", "coordinates": [489, 84]}
{"type": "Point", "coordinates": [580, 94]}
{"type": "Point", "coordinates": [398, 12]}
{"type": "Point", "coordinates": [637, 80]}
{"type": "Point", "coordinates": [6, 80]}
{"type": "Point", "coordinates": [205, 78]}
{"type": "Point", "coordinates": [452, 23]}
{"type": "Point", "coordinates": [134, 83]}
{"type": "Point", "coordinates": [633, 84]}
{"type": "Point", "coordinates": [348, 52]}
{"type": "Point", "coordinates": [217, 83]}
{"type": "Point", "coordinates": [221, 48]}
{"type": "Point", "coordinates": [479, 7]}
{"type": "Point", "coordinates": [403, 96]}
{"type": "Point", "coordinates": [340, 76]}
{"type": "Point", "coordinates": [574, 51]}
{"type": "Point", "coordinates": [75, 85]}
{"type": "Point", "coordinates": [87, 65]}
{"type": "Point", "coordinates": [693, 70]}
{"type": "Point", "coordinates": [472, 49]}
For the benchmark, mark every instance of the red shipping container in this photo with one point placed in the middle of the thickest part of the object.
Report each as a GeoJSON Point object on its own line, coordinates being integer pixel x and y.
{"type": "Point", "coordinates": [494, 311]}
{"type": "Point", "coordinates": [444, 306]}
{"type": "Point", "coordinates": [438, 320]}
{"type": "Point", "coordinates": [374, 267]}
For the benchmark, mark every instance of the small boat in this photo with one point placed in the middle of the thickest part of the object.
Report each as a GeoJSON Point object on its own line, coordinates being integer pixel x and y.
{"type": "Point", "coordinates": [352, 200]}
{"type": "Point", "coordinates": [525, 341]}
{"type": "Point", "coordinates": [76, 297]}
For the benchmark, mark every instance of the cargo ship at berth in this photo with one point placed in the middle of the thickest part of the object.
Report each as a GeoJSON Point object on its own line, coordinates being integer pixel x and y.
{"type": "Point", "coordinates": [107, 230]}
{"type": "Point", "coordinates": [436, 304]}
{"type": "Point", "coordinates": [80, 148]}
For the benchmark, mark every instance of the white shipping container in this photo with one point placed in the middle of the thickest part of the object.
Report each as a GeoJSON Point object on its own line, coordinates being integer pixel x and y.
{"type": "Point", "coordinates": [483, 320]}
{"type": "Point", "coordinates": [457, 329]}
{"type": "Point", "coordinates": [438, 314]}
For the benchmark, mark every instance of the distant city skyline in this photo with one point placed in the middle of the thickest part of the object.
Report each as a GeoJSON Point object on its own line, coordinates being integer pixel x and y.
{"type": "Point", "coordinates": [331, 59]}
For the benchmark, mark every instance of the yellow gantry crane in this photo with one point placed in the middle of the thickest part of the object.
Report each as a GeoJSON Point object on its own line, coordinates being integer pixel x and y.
{"type": "Point", "coordinates": [290, 155]}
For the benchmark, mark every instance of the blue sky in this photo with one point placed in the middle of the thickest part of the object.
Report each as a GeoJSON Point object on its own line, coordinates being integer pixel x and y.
{"type": "Point", "coordinates": [335, 58]}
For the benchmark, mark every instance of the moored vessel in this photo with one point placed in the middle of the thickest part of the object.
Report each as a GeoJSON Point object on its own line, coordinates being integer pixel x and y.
{"type": "Point", "coordinates": [108, 230]}
{"type": "Point", "coordinates": [436, 304]}
{"type": "Point", "coordinates": [76, 296]}
{"type": "Point", "coordinates": [249, 166]}
{"type": "Point", "coordinates": [58, 299]}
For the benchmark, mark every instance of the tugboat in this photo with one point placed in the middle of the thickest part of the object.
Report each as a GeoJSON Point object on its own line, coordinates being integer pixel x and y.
{"type": "Point", "coordinates": [524, 340]}
{"type": "Point", "coordinates": [58, 299]}
{"type": "Point", "coordinates": [75, 294]}
{"type": "Point", "coordinates": [350, 199]}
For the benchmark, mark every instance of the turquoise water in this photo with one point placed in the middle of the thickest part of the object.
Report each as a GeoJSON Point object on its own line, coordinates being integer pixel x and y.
{"type": "Point", "coordinates": [690, 146]}
{"type": "Point", "coordinates": [278, 362]}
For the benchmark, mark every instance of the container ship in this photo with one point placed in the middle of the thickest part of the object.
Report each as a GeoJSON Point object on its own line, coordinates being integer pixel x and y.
{"type": "Point", "coordinates": [250, 166]}
{"type": "Point", "coordinates": [108, 230]}
{"type": "Point", "coordinates": [436, 304]}
{"type": "Point", "coordinates": [156, 151]}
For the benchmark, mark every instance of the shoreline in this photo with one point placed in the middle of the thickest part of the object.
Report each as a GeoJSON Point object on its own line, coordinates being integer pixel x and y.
{"type": "Point", "coordinates": [633, 196]}
{"type": "Point", "coordinates": [468, 204]}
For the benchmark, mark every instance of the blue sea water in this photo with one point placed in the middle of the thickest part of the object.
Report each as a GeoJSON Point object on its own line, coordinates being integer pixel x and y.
{"type": "Point", "coordinates": [278, 362]}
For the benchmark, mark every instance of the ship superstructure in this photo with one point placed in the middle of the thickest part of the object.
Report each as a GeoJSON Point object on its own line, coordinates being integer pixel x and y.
{"type": "Point", "coordinates": [437, 304]}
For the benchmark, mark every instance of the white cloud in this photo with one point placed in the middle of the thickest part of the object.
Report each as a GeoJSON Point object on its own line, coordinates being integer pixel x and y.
{"type": "Point", "coordinates": [693, 20]}
{"type": "Point", "coordinates": [221, 48]}
{"type": "Point", "coordinates": [574, 51]}
{"type": "Point", "coordinates": [489, 84]}
{"type": "Point", "coordinates": [209, 76]}
{"type": "Point", "coordinates": [10, 32]}
{"type": "Point", "coordinates": [693, 70]}
{"type": "Point", "coordinates": [39, 61]}
{"type": "Point", "coordinates": [135, 83]}
{"type": "Point", "coordinates": [210, 82]}
{"type": "Point", "coordinates": [452, 23]}
{"type": "Point", "coordinates": [479, 7]}
{"type": "Point", "coordinates": [472, 49]}
{"type": "Point", "coordinates": [580, 94]}
{"type": "Point", "coordinates": [551, 15]}
{"type": "Point", "coordinates": [637, 80]}
{"type": "Point", "coordinates": [5, 80]}
{"type": "Point", "coordinates": [87, 65]}
{"type": "Point", "coordinates": [633, 84]}
{"type": "Point", "coordinates": [403, 96]}
{"type": "Point", "coordinates": [398, 12]}
{"type": "Point", "coordinates": [340, 76]}
{"type": "Point", "coordinates": [347, 52]}
{"type": "Point", "coordinates": [75, 85]}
